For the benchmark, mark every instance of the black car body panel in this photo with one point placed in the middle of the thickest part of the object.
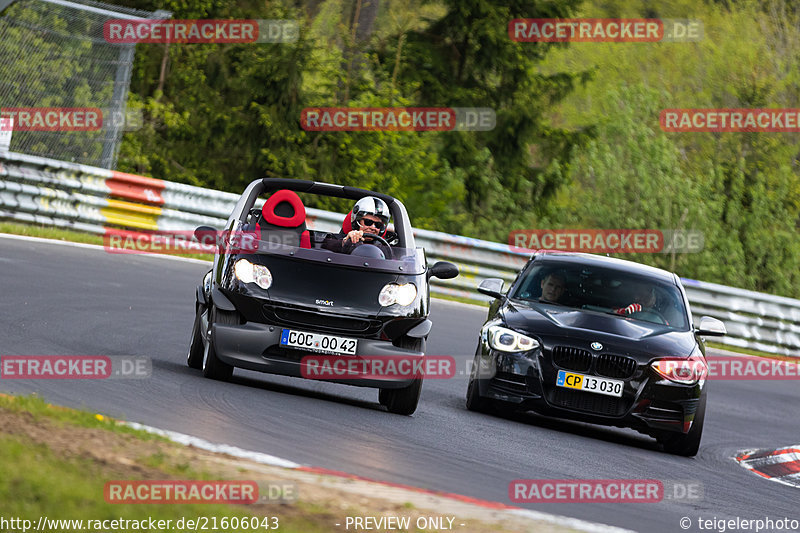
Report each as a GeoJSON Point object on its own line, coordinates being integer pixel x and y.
{"type": "Point", "coordinates": [587, 341]}
{"type": "Point", "coordinates": [311, 290]}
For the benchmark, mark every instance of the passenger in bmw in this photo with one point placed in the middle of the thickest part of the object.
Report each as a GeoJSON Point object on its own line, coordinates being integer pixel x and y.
{"type": "Point", "coordinates": [646, 298]}
{"type": "Point", "coordinates": [369, 217]}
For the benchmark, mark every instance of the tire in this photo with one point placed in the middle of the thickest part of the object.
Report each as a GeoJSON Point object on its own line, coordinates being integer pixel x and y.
{"type": "Point", "coordinates": [213, 368]}
{"type": "Point", "coordinates": [476, 402]}
{"type": "Point", "coordinates": [196, 349]}
{"type": "Point", "coordinates": [383, 397]}
{"type": "Point", "coordinates": [404, 401]}
{"type": "Point", "coordinates": [687, 444]}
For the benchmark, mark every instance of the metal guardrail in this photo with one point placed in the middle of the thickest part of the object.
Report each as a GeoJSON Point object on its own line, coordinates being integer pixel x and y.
{"type": "Point", "coordinates": [68, 195]}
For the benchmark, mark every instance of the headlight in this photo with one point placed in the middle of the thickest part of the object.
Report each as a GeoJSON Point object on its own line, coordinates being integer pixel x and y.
{"type": "Point", "coordinates": [247, 272]}
{"type": "Point", "coordinates": [684, 371]}
{"type": "Point", "coordinates": [508, 340]}
{"type": "Point", "coordinates": [392, 293]}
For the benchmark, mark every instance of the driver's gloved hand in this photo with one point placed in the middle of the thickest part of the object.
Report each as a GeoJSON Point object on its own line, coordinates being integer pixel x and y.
{"type": "Point", "coordinates": [633, 308]}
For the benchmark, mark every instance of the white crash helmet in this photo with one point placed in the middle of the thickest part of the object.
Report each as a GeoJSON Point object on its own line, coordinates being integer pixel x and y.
{"type": "Point", "coordinates": [369, 205]}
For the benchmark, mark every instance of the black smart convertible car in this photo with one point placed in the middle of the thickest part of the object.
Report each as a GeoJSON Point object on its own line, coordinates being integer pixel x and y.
{"type": "Point", "coordinates": [599, 340]}
{"type": "Point", "coordinates": [267, 305]}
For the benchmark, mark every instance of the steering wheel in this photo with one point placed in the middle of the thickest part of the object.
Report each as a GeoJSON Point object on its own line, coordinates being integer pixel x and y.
{"type": "Point", "coordinates": [381, 239]}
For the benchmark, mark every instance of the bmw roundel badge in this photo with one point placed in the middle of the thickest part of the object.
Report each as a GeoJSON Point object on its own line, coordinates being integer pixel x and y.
{"type": "Point", "coordinates": [596, 346]}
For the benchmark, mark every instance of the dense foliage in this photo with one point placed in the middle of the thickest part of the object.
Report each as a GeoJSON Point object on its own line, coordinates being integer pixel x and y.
{"type": "Point", "coordinates": [577, 143]}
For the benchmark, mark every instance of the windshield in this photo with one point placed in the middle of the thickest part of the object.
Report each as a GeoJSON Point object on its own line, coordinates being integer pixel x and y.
{"type": "Point", "coordinates": [604, 290]}
{"type": "Point", "coordinates": [321, 246]}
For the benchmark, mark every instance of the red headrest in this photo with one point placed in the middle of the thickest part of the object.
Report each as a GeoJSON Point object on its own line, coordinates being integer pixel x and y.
{"type": "Point", "coordinates": [347, 225]}
{"type": "Point", "coordinates": [277, 198]}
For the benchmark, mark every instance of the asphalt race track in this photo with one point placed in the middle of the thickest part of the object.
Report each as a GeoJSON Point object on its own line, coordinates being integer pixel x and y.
{"type": "Point", "coordinates": [65, 300]}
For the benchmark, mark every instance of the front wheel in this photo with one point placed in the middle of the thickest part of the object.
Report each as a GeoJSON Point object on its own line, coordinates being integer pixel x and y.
{"type": "Point", "coordinates": [404, 401]}
{"type": "Point", "coordinates": [196, 350]}
{"type": "Point", "coordinates": [687, 444]}
{"type": "Point", "coordinates": [213, 367]}
{"type": "Point", "coordinates": [476, 402]}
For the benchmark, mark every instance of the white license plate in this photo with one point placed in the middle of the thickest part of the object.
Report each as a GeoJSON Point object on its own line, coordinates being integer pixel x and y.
{"type": "Point", "coordinates": [316, 342]}
{"type": "Point", "coordinates": [571, 380]}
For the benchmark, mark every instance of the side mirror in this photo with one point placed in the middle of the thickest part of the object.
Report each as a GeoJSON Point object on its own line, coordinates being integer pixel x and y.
{"type": "Point", "coordinates": [711, 327]}
{"type": "Point", "coordinates": [204, 233]}
{"type": "Point", "coordinates": [443, 270]}
{"type": "Point", "coordinates": [491, 287]}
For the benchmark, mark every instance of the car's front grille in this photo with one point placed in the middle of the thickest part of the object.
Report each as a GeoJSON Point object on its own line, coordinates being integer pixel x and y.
{"type": "Point", "coordinates": [587, 401]}
{"type": "Point", "coordinates": [572, 358]}
{"type": "Point", "coordinates": [321, 321]}
{"type": "Point", "coordinates": [615, 366]}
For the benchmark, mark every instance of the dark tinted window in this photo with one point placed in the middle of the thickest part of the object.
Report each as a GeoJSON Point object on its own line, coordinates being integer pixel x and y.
{"type": "Point", "coordinates": [603, 290]}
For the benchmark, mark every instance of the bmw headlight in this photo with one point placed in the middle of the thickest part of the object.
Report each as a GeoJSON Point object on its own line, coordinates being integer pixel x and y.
{"type": "Point", "coordinates": [508, 340]}
{"type": "Point", "coordinates": [247, 272]}
{"type": "Point", "coordinates": [393, 293]}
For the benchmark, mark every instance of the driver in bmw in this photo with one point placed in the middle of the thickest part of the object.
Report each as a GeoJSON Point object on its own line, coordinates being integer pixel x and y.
{"type": "Point", "coordinates": [369, 216]}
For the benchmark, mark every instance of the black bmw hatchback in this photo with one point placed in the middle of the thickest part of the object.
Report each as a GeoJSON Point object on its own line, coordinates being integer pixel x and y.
{"type": "Point", "coordinates": [278, 294]}
{"type": "Point", "coordinates": [599, 340]}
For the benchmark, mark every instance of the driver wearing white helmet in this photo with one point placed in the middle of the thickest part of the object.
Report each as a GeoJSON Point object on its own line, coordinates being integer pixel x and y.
{"type": "Point", "coordinates": [369, 216]}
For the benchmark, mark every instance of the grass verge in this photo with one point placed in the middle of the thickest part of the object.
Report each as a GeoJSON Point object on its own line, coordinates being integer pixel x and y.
{"type": "Point", "coordinates": [55, 463]}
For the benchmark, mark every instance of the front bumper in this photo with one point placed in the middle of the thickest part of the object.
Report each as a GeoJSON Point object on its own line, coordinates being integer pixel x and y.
{"type": "Point", "coordinates": [256, 346]}
{"type": "Point", "coordinates": [526, 381]}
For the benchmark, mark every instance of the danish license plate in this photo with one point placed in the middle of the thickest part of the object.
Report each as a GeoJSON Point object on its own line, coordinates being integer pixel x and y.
{"type": "Point", "coordinates": [571, 380]}
{"type": "Point", "coordinates": [316, 342]}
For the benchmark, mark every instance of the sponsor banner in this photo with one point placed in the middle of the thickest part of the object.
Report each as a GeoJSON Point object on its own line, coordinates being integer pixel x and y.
{"type": "Point", "coordinates": [588, 30]}
{"type": "Point", "coordinates": [607, 240]}
{"type": "Point", "coordinates": [746, 367]}
{"type": "Point", "coordinates": [388, 367]}
{"type": "Point", "coordinates": [586, 490]}
{"type": "Point", "coordinates": [200, 31]}
{"type": "Point", "coordinates": [181, 492]}
{"type": "Point", "coordinates": [74, 367]}
{"type": "Point", "coordinates": [786, 120]}
{"type": "Point", "coordinates": [54, 118]}
{"type": "Point", "coordinates": [136, 188]}
{"type": "Point", "coordinates": [398, 119]}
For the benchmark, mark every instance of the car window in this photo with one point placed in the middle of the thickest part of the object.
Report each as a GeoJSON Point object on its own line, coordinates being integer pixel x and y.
{"type": "Point", "coordinates": [604, 290]}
